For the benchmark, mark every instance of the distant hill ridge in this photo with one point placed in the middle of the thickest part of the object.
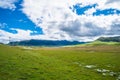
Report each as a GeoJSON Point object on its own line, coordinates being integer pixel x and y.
{"type": "Point", "coordinates": [45, 43]}
{"type": "Point", "coordinates": [109, 39]}
{"type": "Point", "coordinates": [34, 42]}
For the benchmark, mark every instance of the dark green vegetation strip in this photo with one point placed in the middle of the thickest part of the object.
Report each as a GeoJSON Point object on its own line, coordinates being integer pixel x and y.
{"type": "Point", "coordinates": [69, 63]}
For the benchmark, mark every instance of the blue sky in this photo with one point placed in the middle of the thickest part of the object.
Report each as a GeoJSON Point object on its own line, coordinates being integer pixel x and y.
{"type": "Point", "coordinates": [17, 19]}
{"type": "Point", "coordinates": [20, 16]}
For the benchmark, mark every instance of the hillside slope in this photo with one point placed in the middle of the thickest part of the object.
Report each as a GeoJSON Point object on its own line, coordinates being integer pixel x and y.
{"type": "Point", "coordinates": [109, 39]}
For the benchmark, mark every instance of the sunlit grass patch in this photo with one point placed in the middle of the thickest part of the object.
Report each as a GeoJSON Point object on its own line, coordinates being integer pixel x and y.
{"type": "Point", "coordinates": [63, 63]}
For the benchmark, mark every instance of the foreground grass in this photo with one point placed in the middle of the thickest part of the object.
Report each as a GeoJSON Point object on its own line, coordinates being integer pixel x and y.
{"type": "Point", "coordinates": [68, 63]}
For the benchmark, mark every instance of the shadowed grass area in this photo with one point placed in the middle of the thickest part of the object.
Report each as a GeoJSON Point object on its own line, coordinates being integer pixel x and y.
{"type": "Point", "coordinates": [64, 63]}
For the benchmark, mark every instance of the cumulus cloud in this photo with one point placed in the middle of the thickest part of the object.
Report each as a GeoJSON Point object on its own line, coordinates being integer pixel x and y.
{"type": "Point", "coordinates": [58, 21]}
{"type": "Point", "coordinates": [8, 4]}
{"type": "Point", "coordinates": [76, 28]}
{"type": "Point", "coordinates": [115, 28]}
{"type": "Point", "coordinates": [112, 1]}
{"type": "Point", "coordinates": [6, 37]}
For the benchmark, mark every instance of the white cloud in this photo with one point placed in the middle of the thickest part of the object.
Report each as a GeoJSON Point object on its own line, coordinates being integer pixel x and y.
{"type": "Point", "coordinates": [90, 11]}
{"type": "Point", "coordinates": [59, 22]}
{"type": "Point", "coordinates": [3, 25]}
{"type": "Point", "coordinates": [8, 4]}
{"type": "Point", "coordinates": [112, 1]}
{"type": "Point", "coordinates": [5, 37]}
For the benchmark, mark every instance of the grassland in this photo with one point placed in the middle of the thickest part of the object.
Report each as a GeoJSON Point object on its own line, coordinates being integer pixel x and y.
{"type": "Point", "coordinates": [88, 62]}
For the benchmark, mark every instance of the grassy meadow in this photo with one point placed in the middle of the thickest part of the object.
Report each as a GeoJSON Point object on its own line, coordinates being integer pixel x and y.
{"type": "Point", "coordinates": [85, 62]}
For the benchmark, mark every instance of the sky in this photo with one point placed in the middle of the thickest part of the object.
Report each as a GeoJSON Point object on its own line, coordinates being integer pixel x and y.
{"type": "Point", "coordinates": [73, 20]}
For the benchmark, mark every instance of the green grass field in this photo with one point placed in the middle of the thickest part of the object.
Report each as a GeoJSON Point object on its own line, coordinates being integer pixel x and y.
{"type": "Point", "coordinates": [88, 62]}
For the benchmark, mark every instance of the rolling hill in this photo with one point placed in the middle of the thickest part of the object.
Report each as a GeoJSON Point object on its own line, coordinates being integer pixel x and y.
{"type": "Point", "coordinates": [48, 43]}
{"type": "Point", "coordinates": [109, 39]}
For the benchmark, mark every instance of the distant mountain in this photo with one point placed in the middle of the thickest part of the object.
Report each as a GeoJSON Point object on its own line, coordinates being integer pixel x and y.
{"type": "Point", "coordinates": [45, 43]}
{"type": "Point", "coordinates": [109, 39]}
